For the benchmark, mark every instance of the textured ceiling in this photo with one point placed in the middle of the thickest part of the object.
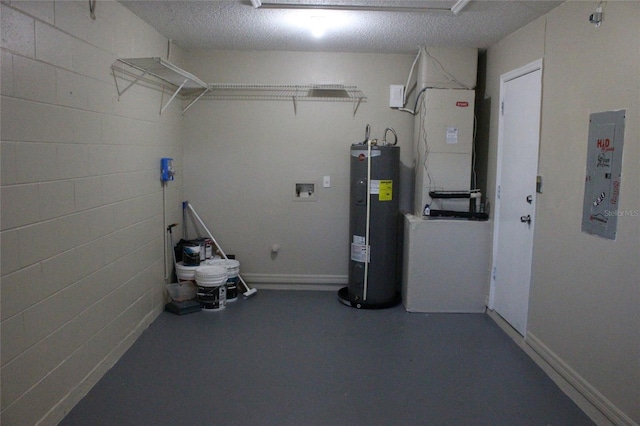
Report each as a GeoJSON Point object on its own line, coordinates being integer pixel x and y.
{"type": "Point", "coordinates": [237, 25]}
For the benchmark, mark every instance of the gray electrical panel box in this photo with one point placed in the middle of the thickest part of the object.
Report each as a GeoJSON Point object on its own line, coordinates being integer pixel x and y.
{"type": "Point", "coordinates": [604, 171]}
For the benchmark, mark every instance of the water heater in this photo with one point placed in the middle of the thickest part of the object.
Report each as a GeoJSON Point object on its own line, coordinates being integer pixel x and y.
{"type": "Point", "coordinates": [373, 227]}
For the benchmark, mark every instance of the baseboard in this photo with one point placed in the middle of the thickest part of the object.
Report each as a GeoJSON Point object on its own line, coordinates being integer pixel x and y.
{"type": "Point", "coordinates": [506, 327]}
{"type": "Point", "coordinates": [296, 281]}
{"type": "Point", "coordinates": [605, 407]}
{"type": "Point", "coordinates": [585, 396]}
{"type": "Point", "coordinates": [64, 406]}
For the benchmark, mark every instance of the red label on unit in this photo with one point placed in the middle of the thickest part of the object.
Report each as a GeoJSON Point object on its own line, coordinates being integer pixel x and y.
{"type": "Point", "coordinates": [462, 104]}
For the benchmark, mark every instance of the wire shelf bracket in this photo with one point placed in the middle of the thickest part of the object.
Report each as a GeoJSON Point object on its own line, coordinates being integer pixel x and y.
{"type": "Point", "coordinates": [184, 83]}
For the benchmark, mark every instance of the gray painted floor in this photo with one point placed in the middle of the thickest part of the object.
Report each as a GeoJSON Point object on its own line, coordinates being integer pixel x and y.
{"type": "Point", "coordinates": [303, 358]}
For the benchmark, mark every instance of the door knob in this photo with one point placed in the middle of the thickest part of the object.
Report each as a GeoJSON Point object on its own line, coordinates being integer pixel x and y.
{"type": "Point", "coordinates": [526, 219]}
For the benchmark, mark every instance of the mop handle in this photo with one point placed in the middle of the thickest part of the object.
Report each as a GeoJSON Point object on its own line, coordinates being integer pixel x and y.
{"type": "Point", "coordinates": [207, 229]}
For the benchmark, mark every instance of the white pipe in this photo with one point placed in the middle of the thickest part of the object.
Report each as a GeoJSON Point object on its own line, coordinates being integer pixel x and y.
{"type": "Point", "coordinates": [406, 87]}
{"type": "Point", "coordinates": [460, 4]}
{"type": "Point", "coordinates": [167, 280]}
{"type": "Point", "coordinates": [368, 222]}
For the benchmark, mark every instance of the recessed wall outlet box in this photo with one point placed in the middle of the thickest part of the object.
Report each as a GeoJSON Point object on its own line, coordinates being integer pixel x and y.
{"type": "Point", "coordinates": [305, 192]}
{"type": "Point", "coordinates": [396, 96]}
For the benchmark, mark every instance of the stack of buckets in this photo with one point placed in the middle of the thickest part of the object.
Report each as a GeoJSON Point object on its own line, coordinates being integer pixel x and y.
{"type": "Point", "coordinates": [216, 279]}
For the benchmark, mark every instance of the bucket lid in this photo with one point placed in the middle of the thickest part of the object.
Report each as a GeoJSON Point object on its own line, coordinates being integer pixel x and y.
{"type": "Point", "coordinates": [227, 263]}
{"type": "Point", "coordinates": [208, 276]}
{"type": "Point", "coordinates": [182, 267]}
{"type": "Point", "coordinates": [211, 270]}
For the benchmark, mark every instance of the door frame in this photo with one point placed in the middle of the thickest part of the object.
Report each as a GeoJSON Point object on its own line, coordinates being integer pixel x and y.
{"type": "Point", "coordinates": [504, 79]}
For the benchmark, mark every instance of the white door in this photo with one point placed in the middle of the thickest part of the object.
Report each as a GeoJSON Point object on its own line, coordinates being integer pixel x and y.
{"type": "Point", "coordinates": [515, 204]}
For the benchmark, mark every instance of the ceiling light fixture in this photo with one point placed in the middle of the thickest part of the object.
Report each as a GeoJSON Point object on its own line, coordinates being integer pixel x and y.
{"type": "Point", "coordinates": [318, 23]}
{"type": "Point", "coordinates": [318, 26]}
{"type": "Point", "coordinates": [355, 7]}
{"type": "Point", "coordinates": [460, 4]}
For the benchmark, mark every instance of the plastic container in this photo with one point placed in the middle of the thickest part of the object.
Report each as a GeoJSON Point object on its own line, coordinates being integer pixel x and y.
{"type": "Point", "coordinates": [179, 292]}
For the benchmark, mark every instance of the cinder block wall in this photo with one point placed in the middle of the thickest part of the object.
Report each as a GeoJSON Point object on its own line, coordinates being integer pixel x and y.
{"type": "Point", "coordinates": [82, 205]}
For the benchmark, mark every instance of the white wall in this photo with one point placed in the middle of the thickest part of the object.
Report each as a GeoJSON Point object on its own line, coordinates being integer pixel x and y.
{"type": "Point", "coordinates": [583, 312]}
{"type": "Point", "coordinates": [242, 158]}
{"type": "Point", "coordinates": [82, 207]}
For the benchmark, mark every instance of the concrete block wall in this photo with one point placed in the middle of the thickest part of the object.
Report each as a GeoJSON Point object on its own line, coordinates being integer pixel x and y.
{"type": "Point", "coordinates": [82, 223]}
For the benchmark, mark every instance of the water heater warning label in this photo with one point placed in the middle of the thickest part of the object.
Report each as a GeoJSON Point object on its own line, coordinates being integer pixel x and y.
{"type": "Point", "coordinates": [382, 188]}
{"type": "Point", "coordinates": [386, 190]}
{"type": "Point", "coordinates": [359, 250]}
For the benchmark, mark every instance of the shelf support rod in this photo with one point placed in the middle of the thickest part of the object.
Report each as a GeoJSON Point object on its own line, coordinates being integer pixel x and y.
{"type": "Point", "coordinates": [92, 9]}
{"type": "Point", "coordinates": [195, 100]}
{"type": "Point", "coordinates": [355, 108]}
{"type": "Point", "coordinates": [120, 93]}
{"type": "Point", "coordinates": [174, 95]}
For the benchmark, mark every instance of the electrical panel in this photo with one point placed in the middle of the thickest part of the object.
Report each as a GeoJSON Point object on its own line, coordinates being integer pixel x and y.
{"type": "Point", "coordinates": [604, 171]}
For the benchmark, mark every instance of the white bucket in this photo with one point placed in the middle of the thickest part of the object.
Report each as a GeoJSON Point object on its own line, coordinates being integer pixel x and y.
{"type": "Point", "coordinates": [186, 272]}
{"type": "Point", "coordinates": [212, 293]}
{"type": "Point", "coordinates": [233, 270]}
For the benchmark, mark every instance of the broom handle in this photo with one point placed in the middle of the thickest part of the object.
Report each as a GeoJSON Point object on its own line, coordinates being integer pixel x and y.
{"type": "Point", "coordinates": [247, 288]}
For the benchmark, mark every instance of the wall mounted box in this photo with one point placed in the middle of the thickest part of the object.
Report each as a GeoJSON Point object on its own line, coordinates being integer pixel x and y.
{"type": "Point", "coordinates": [604, 174]}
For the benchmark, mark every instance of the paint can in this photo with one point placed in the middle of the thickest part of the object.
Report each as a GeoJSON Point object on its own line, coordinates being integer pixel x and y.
{"type": "Point", "coordinates": [206, 247]}
{"type": "Point", "coordinates": [191, 253]}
